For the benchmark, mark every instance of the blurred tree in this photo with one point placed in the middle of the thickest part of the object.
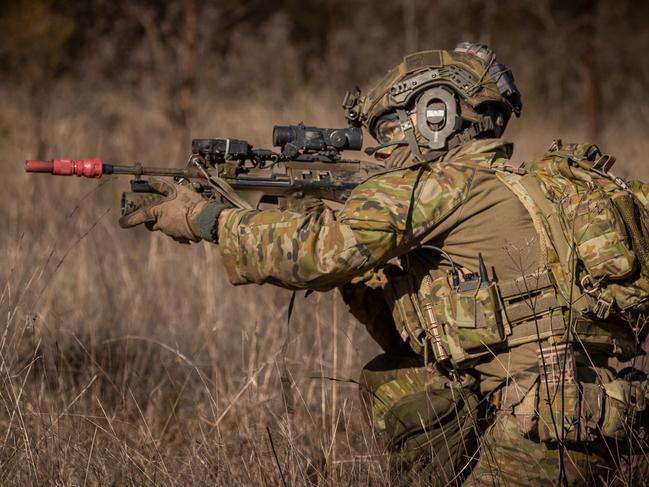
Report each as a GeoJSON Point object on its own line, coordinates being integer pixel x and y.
{"type": "Point", "coordinates": [184, 89]}
{"type": "Point", "coordinates": [32, 49]}
{"type": "Point", "coordinates": [175, 33]}
{"type": "Point", "coordinates": [571, 59]}
{"type": "Point", "coordinates": [583, 34]}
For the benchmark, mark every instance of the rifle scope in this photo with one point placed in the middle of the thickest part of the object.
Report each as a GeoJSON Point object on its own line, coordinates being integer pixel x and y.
{"type": "Point", "coordinates": [316, 138]}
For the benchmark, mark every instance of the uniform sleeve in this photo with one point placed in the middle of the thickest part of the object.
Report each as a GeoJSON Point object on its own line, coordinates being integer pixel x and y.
{"type": "Point", "coordinates": [384, 217]}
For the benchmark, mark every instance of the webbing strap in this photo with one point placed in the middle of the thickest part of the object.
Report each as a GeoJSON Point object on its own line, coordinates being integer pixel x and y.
{"type": "Point", "coordinates": [475, 129]}
{"type": "Point", "coordinates": [525, 284]}
{"type": "Point", "coordinates": [223, 188]}
{"type": "Point", "coordinates": [409, 133]}
{"type": "Point", "coordinates": [538, 329]}
{"type": "Point", "coordinates": [530, 307]}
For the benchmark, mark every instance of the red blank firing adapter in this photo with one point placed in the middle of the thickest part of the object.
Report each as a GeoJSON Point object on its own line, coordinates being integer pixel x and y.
{"type": "Point", "coordinates": [89, 168]}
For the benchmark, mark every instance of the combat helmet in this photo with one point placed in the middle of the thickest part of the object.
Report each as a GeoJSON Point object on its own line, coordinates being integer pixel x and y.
{"type": "Point", "coordinates": [456, 95]}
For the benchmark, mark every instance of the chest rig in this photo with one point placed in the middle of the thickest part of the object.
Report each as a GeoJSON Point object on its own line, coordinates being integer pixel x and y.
{"type": "Point", "coordinates": [592, 284]}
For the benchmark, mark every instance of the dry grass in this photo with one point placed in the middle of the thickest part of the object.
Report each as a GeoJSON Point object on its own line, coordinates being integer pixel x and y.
{"type": "Point", "coordinates": [127, 359]}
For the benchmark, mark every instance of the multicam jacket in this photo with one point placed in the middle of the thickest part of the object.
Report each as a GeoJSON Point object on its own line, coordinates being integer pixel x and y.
{"type": "Point", "coordinates": [458, 203]}
{"type": "Point", "coordinates": [449, 203]}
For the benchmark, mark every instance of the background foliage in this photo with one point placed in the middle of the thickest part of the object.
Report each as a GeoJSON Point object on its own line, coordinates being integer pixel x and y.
{"type": "Point", "coordinates": [126, 358]}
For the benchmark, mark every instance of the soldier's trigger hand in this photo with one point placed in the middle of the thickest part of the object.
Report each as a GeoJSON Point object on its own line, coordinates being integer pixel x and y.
{"type": "Point", "coordinates": [176, 214]}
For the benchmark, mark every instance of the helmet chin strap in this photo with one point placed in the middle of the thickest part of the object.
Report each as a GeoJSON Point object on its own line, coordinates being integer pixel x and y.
{"type": "Point", "coordinates": [409, 133]}
{"type": "Point", "coordinates": [473, 131]}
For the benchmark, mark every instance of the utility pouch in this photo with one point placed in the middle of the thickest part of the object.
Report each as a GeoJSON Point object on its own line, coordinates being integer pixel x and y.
{"type": "Point", "coordinates": [624, 400]}
{"type": "Point", "coordinates": [568, 411]}
{"type": "Point", "coordinates": [436, 429]}
{"type": "Point", "coordinates": [581, 411]}
{"type": "Point", "coordinates": [420, 411]}
{"type": "Point", "coordinates": [474, 317]}
{"type": "Point", "coordinates": [559, 412]}
{"type": "Point", "coordinates": [401, 297]}
{"type": "Point", "coordinates": [526, 411]}
{"type": "Point", "coordinates": [599, 234]}
{"type": "Point", "coordinates": [632, 295]}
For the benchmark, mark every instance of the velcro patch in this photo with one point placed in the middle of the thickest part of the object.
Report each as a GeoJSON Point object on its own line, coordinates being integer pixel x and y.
{"type": "Point", "coordinates": [420, 60]}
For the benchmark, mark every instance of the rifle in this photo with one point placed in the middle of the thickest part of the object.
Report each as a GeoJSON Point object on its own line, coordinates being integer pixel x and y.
{"type": "Point", "coordinates": [309, 164]}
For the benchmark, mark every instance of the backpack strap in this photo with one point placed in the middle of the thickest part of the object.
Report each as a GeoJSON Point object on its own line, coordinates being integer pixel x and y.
{"type": "Point", "coordinates": [556, 251]}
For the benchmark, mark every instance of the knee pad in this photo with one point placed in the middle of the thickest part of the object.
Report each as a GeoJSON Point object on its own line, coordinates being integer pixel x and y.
{"type": "Point", "coordinates": [402, 398]}
{"type": "Point", "coordinates": [427, 420]}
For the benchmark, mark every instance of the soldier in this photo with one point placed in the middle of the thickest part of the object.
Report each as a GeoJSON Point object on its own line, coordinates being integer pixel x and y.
{"type": "Point", "coordinates": [498, 294]}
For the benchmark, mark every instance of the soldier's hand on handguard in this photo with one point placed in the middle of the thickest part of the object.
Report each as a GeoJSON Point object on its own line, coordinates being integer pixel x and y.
{"type": "Point", "coordinates": [182, 214]}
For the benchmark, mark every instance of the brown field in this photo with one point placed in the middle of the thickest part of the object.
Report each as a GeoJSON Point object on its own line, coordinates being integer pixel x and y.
{"type": "Point", "coordinates": [128, 359]}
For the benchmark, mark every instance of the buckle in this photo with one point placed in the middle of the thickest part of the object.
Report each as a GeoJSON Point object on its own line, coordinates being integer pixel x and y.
{"type": "Point", "coordinates": [589, 286]}
{"type": "Point", "coordinates": [602, 308]}
{"type": "Point", "coordinates": [405, 126]}
{"type": "Point", "coordinates": [604, 163]}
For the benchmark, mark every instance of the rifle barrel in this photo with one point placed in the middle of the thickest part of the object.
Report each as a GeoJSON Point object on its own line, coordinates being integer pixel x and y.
{"type": "Point", "coordinates": [139, 170]}
{"type": "Point", "coordinates": [96, 168]}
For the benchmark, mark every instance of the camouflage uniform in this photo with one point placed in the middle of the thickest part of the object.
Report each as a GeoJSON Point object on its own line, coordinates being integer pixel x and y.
{"type": "Point", "coordinates": [499, 295]}
{"type": "Point", "coordinates": [467, 210]}
{"type": "Point", "coordinates": [387, 216]}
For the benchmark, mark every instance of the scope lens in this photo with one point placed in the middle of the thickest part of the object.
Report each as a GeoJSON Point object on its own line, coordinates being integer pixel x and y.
{"type": "Point", "coordinates": [282, 135]}
{"type": "Point", "coordinates": [354, 138]}
{"type": "Point", "coordinates": [338, 139]}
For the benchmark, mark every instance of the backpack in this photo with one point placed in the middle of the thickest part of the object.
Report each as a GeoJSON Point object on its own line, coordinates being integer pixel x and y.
{"type": "Point", "coordinates": [594, 228]}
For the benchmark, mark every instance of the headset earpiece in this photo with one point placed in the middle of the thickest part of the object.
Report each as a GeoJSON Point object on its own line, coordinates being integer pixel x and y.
{"type": "Point", "coordinates": [437, 116]}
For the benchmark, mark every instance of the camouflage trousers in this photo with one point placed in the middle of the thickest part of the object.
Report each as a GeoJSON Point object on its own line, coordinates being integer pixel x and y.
{"type": "Point", "coordinates": [509, 458]}
{"type": "Point", "coordinates": [437, 433]}
{"type": "Point", "coordinates": [428, 422]}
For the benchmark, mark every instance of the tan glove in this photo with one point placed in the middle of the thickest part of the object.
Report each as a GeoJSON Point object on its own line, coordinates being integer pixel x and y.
{"type": "Point", "coordinates": [182, 214]}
